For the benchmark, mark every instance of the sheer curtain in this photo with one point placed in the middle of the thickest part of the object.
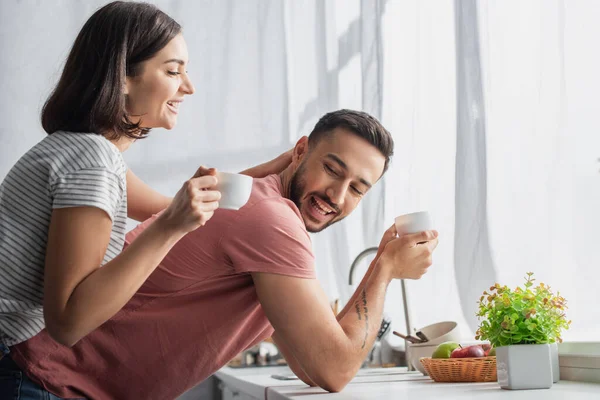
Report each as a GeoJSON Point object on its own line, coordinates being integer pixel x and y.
{"type": "Point", "coordinates": [420, 110]}
{"type": "Point", "coordinates": [493, 107]}
{"type": "Point", "coordinates": [541, 87]}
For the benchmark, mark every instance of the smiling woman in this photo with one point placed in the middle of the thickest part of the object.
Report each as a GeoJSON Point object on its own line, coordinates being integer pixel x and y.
{"type": "Point", "coordinates": [155, 93]}
{"type": "Point", "coordinates": [115, 87]}
{"type": "Point", "coordinates": [118, 47]}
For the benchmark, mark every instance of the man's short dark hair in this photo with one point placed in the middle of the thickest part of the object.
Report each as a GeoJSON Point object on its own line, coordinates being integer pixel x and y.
{"type": "Point", "coordinates": [361, 124]}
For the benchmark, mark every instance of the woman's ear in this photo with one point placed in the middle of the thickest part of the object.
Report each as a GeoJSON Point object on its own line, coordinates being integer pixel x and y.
{"type": "Point", "coordinates": [126, 86]}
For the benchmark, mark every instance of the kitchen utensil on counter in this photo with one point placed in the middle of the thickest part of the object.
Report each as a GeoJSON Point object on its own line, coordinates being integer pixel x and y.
{"type": "Point", "coordinates": [408, 338]}
{"type": "Point", "coordinates": [421, 336]}
{"type": "Point", "coordinates": [386, 323]}
{"type": "Point", "coordinates": [375, 357]}
{"type": "Point", "coordinates": [441, 332]}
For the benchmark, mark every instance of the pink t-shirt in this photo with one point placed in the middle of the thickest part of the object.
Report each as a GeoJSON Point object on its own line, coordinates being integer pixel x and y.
{"type": "Point", "coordinates": [195, 312]}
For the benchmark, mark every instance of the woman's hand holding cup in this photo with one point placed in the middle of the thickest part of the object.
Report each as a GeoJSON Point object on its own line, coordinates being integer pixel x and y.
{"type": "Point", "coordinates": [195, 203]}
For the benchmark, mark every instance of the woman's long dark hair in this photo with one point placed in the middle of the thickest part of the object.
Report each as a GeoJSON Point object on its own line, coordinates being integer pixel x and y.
{"type": "Point", "coordinates": [111, 45]}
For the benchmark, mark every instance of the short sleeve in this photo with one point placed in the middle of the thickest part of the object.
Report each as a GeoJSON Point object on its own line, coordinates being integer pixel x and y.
{"type": "Point", "coordinates": [92, 187]}
{"type": "Point", "coordinates": [270, 236]}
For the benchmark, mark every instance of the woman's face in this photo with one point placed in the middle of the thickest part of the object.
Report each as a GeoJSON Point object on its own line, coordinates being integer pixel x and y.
{"type": "Point", "coordinates": [155, 94]}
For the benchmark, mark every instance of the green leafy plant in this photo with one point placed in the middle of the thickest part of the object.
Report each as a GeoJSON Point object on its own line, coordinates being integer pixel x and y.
{"type": "Point", "coordinates": [532, 315]}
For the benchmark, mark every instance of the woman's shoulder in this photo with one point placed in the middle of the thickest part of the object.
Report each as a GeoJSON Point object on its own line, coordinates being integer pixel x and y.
{"type": "Point", "coordinates": [82, 151]}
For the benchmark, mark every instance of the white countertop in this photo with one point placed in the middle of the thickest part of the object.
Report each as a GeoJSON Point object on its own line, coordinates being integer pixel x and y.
{"type": "Point", "coordinates": [391, 383]}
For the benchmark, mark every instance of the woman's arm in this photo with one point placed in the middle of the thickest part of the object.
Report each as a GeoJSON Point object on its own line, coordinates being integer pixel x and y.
{"type": "Point", "coordinates": [79, 294]}
{"type": "Point", "coordinates": [143, 201]}
{"type": "Point", "coordinates": [274, 166]}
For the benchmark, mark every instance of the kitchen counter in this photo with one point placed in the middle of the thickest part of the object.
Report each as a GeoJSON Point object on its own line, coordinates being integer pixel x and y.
{"type": "Point", "coordinates": [390, 383]}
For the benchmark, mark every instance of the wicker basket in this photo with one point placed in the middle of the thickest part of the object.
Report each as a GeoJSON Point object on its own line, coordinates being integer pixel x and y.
{"type": "Point", "coordinates": [481, 369]}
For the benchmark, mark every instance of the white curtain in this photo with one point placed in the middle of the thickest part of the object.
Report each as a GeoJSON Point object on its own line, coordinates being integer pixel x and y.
{"type": "Point", "coordinates": [503, 150]}
{"type": "Point", "coordinates": [499, 144]}
{"type": "Point", "coordinates": [541, 89]}
{"type": "Point", "coordinates": [420, 109]}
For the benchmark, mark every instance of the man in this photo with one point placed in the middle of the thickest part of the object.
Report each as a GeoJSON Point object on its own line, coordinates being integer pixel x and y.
{"type": "Point", "coordinates": [247, 275]}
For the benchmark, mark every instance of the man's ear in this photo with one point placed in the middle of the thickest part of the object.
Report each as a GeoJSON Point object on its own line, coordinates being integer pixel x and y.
{"type": "Point", "coordinates": [300, 150]}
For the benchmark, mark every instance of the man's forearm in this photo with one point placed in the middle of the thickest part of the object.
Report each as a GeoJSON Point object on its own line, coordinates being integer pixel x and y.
{"type": "Point", "coordinates": [359, 323]}
{"type": "Point", "coordinates": [350, 304]}
{"type": "Point", "coordinates": [361, 320]}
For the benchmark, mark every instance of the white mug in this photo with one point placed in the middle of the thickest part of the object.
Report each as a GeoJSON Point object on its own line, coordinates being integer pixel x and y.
{"type": "Point", "coordinates": [235, 190]}
{"type": "Point", "coordinates": [413, 223]}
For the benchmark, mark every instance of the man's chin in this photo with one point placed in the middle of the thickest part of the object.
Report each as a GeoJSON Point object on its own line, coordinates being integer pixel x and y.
{"type": "Point", "coordinates": [316, 227]}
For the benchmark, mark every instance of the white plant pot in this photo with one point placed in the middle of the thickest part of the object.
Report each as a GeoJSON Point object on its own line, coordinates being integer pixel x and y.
{"type": "Point", "coordinates": [524, 366]}
{"type": "Point", "coordinates": [555, 365]}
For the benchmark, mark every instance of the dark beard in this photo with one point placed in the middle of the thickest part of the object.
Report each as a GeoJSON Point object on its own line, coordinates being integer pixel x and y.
{"type": "Point", "coordinates": [297, 185]}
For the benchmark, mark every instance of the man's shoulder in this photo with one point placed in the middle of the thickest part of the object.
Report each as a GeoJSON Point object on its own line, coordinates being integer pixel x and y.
{"type": "Point", "coordinates": [267, 213]}
{"type": "Point", "coordinates": [268, 234]}
{"type": "Point", "coordinates": [267, 201]}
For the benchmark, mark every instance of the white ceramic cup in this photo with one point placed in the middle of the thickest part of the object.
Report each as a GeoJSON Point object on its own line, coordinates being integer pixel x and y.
{"type": "Point", "coordinates": [413, 223]}
{"type": "Point", "coordinates": [235, 190]}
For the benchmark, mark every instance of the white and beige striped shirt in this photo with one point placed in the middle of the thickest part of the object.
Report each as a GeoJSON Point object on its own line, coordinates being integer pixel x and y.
{"type": "Point", "coordinates": [63, 170]}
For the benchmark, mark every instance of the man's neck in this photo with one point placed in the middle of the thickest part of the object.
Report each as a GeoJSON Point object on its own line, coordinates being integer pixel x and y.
{"type": "Point", "coordinates": [286, 181]}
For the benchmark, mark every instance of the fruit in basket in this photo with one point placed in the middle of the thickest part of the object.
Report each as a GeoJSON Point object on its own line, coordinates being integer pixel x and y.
{"type": "Point", "coordinates": [491, 352]}
{"type": "Point", "coordinates": [468, 352]}
{"type": "Point", "coordinates": [486, 347]}
{"type": "Point", "coordinates": [444, 350]}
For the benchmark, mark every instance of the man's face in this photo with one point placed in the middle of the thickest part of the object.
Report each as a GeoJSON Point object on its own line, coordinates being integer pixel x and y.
{"type": "Point", "coordinates": [332, 178]}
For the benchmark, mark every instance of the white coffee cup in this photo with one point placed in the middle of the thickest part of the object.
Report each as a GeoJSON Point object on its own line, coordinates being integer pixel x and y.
{"type": "Point", "coordinates": [235, 190]}
{"type": "Point", "coordinates": [413, 223]}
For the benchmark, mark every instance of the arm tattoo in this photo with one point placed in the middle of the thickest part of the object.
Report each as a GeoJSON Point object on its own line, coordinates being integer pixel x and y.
{"type": "Point", "coordinates": [365, 310]}
{"type": "Point", "coordinates": [362, 303]}
{"type": "Point", "coordinates": [357, 306]}
{"type": "Point", "coordinates": [364, 297]}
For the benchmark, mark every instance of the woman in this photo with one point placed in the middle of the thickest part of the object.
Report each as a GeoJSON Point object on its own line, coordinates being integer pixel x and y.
{"type": "Point", "coordinates": [64, 204]}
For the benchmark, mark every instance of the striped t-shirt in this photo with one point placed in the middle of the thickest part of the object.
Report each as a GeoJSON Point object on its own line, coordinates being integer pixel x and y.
{"type": "Point", "coordinates": [63, 170]}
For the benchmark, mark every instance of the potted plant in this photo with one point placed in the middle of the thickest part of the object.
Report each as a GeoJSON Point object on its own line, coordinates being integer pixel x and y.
{"type": "Point", "coordinates": [522, 325]}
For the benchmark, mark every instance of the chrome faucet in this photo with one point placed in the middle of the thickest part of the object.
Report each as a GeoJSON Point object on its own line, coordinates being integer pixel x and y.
{"type": "Point", "coordinates": [356, 261]}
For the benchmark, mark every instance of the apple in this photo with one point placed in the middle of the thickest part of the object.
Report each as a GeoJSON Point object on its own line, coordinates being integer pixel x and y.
{"type": "Point", "coordinates": [486, 347]}
{"type": "Point", "coordinates": [444, 350]}
{"type": "Point", "coordinates": [491, 352]}
{"type": "Point", "coordinates": [468, 352]}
